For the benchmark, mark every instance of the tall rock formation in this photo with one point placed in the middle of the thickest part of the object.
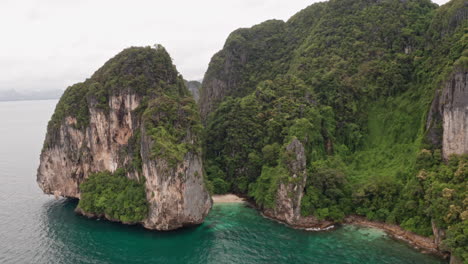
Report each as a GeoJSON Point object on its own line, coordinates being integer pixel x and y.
{"type": "Point", "coordinates": [454, 109]}
{"type": "Point", "coordinates": [287, 207]}
{"type": "Point", "coordinates": [447, 122]}
{"type": "Point", "coordinates": [134, 113]}
{"type": "Point", "coordinates": [290, 190]}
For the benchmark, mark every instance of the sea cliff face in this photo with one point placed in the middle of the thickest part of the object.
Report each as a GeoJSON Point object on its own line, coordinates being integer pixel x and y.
{"type": "Point", "coordinates": [71, 154]}
{"type": "Point", "coordinates": [177, 195]}
{"type": "Point", "coordinates": [287, 206]}
{"type": "Point", "coordinates": [454, 108]}
{"type": "Point", "coordinates": [118, 132]}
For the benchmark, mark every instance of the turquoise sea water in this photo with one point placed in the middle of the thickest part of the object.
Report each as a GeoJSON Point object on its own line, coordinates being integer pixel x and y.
{"type": "Point", "coordinates": [36, 228]}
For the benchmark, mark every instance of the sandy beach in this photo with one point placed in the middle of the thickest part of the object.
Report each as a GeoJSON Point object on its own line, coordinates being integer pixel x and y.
{"type": "Point", "coordinates": [227, 198]}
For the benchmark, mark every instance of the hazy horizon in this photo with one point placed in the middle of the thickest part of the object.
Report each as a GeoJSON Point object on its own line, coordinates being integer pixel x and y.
{"type": "Point", "coordinates": [56, 44]}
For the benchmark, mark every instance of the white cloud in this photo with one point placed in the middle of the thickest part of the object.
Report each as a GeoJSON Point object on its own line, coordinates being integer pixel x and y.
{"type": "Point", "coordinates": [51, 44]}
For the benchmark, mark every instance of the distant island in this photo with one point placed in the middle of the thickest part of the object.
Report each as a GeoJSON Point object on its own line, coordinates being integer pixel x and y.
{"type": "Point", "coordinates": [13, 95]}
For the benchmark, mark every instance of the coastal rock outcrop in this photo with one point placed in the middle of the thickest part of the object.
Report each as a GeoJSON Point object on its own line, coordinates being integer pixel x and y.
{"type": "Point", "coordinates": [136, 114]}
{"type": "Point", "coordinates": [447, 122]}
{"type": "Point", "coordinates": [287, 206]}
{"type": "Point", "coordinates": [289, 194]}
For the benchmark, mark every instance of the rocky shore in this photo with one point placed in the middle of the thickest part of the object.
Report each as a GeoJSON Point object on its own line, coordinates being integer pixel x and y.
{"type": "Point", "coordinates": [422, 243]}
{"type": "Point", "coordinates": [307, 223]}
{"type": "Point", "coordinates": [425, 245]}
{"type": "Point", "coordinates": [79, 211]}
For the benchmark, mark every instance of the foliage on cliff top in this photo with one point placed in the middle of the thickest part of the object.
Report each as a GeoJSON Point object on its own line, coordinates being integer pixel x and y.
{"type": "Point", "coordinates": [174, 125]}
{"type": "Point", "coordinates": [144, 71]}
{"type": "Point", "coordinates": [168, 111]}
{"type": "Point", "coordinates": [264, 42]}
{"type": "Point", "coordinates": [114, 195]}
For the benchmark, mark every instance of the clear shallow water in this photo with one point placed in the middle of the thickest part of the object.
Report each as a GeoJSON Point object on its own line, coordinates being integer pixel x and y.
{"type": "Point", "coordinates": [36, 228]}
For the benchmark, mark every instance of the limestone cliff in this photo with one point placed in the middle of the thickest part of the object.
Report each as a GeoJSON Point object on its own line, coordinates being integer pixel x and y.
{"type": "Point", "coordinates": [134, 113]}
{"type": "Point", "coordinates": [194, 87]}
{"type": "Point", "coordinates": [290, 190]}
{"type": "Point", "coordinates": [71, 153]}
{"type": "Point", "coordinates": [454, 109]}
{"type": "Point", "coordinates": [447, 123]}
{"type": "Point", "coordinates": [287, 207]}
{"type": "Point", "coordinates": [447, 129]}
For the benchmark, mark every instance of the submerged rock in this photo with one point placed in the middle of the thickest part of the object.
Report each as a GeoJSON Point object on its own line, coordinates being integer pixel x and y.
{"type": "Point", "coordinates": [134, 113]}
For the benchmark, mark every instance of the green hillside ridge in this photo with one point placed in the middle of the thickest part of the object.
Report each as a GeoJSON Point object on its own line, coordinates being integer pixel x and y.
{"type": "Point", "coordinates": [354, 81]}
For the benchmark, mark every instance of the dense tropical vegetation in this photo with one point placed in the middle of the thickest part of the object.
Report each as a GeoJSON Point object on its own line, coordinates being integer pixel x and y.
{"type": "Point", "coordinates": [114, 195]}
{"type": "Point", "coordinates": [353, 80]}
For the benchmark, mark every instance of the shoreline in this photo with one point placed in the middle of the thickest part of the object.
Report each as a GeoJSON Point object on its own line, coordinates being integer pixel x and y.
{"type": "Point", "coordinates": [227, 198]}
{"type": "Point", "coordinates": [425, 245]}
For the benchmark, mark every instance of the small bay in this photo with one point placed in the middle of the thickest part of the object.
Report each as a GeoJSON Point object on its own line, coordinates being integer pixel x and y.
{"type": "Point", "coordinates": [36, 228]}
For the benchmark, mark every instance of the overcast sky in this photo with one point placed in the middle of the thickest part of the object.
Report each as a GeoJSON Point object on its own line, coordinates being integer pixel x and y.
{"type": "Point", "coordinates": [51, 44]}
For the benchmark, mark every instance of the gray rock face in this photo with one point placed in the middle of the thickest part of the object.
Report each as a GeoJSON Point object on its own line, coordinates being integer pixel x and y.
{"type": "Point", "coordinates": [72, 154]}
{"type": "Point", "coordinates": [244, 55]}
{"type": "Point", "coordinates": [447, 128]}
{"type": "Point", "coordinates": [454, 109]}
{"type": "Point", "coordinates": [447, 122]}
{"type": "Point", "coordinates": [215, 89]}
{"type": "Point", "coordinates": [291, 189]}
{"type": "Point", "coordinates": [177, 196]}
{"type": "Point", "coordinates": [194, 87]}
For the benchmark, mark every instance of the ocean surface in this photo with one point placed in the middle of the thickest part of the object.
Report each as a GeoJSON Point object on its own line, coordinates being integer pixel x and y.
{"type": "Point", "coordinates": [36, 228]}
